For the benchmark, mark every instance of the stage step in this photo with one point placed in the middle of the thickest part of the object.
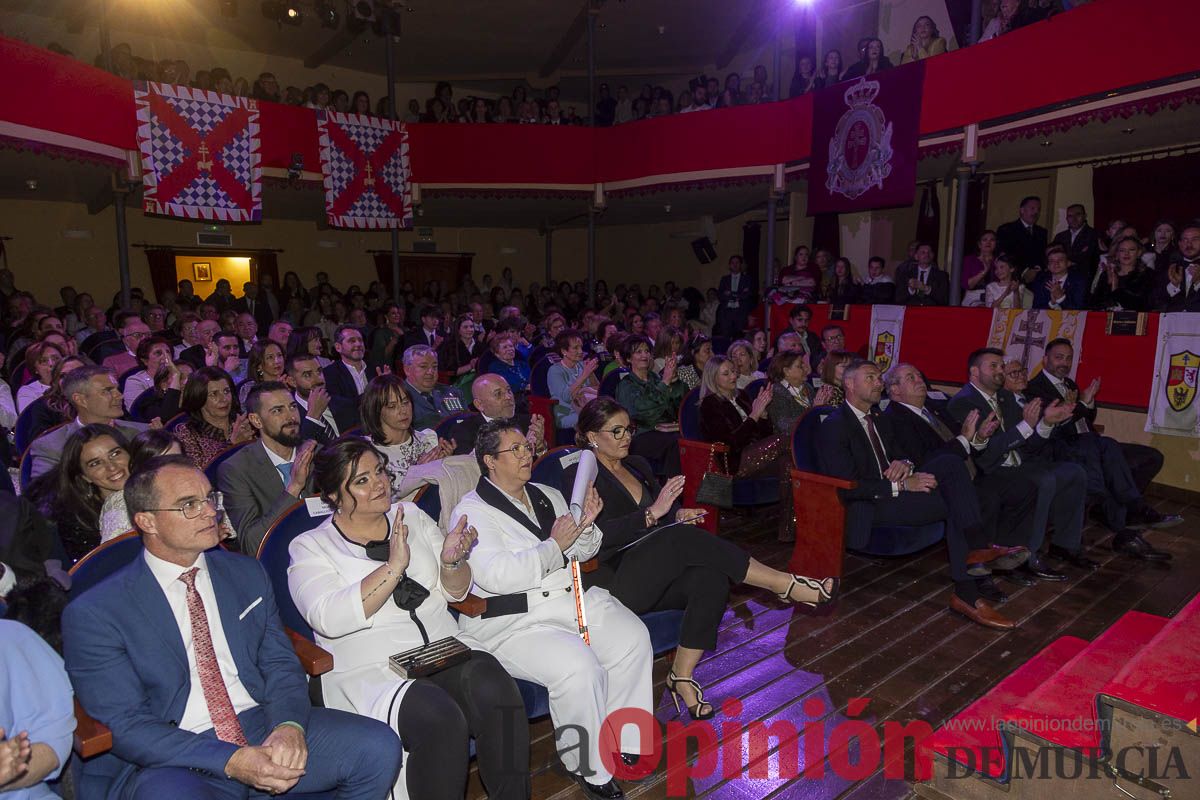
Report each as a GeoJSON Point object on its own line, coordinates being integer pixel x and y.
{"type": "Point", "coordinates": [1151, 707]}
{"type": "Point", "coordinates": [1165, 676]}
{"type": "Point", "coordinates": [1062, 711]}
{"type": "Point", "coordinates": [972, 737]}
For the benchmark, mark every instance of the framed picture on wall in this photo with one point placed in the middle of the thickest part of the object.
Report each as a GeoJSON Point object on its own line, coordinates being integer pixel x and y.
{"type": "Point", "coordinates": [202, 270]}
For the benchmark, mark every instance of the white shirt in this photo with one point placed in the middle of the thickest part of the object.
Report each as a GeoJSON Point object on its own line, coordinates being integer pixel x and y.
{"type": "Point", "coordinates": [734, 278]}
{"type": "Point", "coordinates": [862, 420]}
{"type": "Point", "coordinates": [195, 714]}
{"type": "Point", "coordinates": [359, 375]}
{"type": "Point", "coordinates": [277, 462]}
{"type": "Point", "coordinates": [920, 412]}
{"type": "Point", "coordinates": [8, 409]}
{"type": "Point", "coordinates": [1013, 458]}
{"type": "Point", "coordinates": [1081, 425]}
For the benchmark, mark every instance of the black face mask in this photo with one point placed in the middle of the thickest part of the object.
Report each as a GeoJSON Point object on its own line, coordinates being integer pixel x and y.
{"type": "Point", "coordinates": [408, 594]}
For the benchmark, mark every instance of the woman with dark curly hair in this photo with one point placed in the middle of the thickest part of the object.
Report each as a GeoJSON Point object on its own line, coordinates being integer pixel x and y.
{"type": "Point", "coordinates": [214, 420]}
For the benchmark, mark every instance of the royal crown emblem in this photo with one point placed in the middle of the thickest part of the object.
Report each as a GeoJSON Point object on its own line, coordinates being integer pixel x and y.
{"type": "Point", "coordinates": [860, 152]}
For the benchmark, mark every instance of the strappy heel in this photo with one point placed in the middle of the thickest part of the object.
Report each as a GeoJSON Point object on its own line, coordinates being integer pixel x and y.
{"type": "Point", "coordinates": [824, 596]}
{"type": "Point", "coordinates": [696, 711]}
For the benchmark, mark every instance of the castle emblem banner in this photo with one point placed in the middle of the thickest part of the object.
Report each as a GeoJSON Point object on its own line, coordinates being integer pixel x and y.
{"type": "Point", "coordinates": [864, 142]}
{"type": "Point", "coordinates": [200, 152]}
{"type": "Point", "coordinates": [887, 329]}
{"type": "Point", "coordinates": [1173, 406]}
{"type": "Point", "coordinates": [365, 164]}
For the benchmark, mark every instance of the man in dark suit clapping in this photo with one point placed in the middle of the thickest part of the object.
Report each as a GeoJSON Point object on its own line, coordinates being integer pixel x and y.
{"type": "Point", "coordinates": [856, 442]}
{"type": "Point", "coordinates": [921, 283]}
{"type": "Point", "coordinates": [1022, 446]}
{"type": "Point", "coordinates": [1058, 286]}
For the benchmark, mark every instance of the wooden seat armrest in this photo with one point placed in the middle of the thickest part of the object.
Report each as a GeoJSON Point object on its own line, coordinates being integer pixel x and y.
{"type": "Point", "coordinates": [591, 565]}
{"type": "Point", "coordinates": [91, 737]}
{"type": "Point", "coordinates": [314, 659]}
{"type": "Point", "coordinates": [471, 605]}
{"type": "Point", "coordinates": [828, 480]}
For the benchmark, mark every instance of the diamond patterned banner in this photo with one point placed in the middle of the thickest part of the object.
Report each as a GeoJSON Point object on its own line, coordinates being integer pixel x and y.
{"type": "Point", "coordinates": [200, 153]}
{"type": "Point", "coordinates": [367, 177]}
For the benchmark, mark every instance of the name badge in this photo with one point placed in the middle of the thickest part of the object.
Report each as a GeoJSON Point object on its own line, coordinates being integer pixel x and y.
{"type": "Point", "coordinates": [317, 507]}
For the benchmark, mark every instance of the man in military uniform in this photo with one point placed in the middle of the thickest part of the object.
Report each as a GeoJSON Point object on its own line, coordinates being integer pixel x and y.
{"type": "Point", "coordinates": [432, 401]}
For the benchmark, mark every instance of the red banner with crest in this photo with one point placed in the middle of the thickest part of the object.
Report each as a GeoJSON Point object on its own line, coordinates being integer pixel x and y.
{"type": "Point", "coordinates": [365, 164]}
{"type": "Point", "coordinates": [864, 142]}
{"type": "Point", "coordinates": [200, 153]}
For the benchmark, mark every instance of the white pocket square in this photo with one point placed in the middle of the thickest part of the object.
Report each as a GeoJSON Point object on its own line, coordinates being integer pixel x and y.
{"type": "Point", "coordinates": [249, 608]}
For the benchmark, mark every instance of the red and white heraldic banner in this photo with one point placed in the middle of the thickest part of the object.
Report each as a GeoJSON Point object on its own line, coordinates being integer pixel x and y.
{"type": "Point", "coordinates": [865, 134]}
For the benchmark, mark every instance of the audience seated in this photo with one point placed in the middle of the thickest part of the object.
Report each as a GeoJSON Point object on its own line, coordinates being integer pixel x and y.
{"type": "Point", "coordinates": [374, 580]}
{"type": "Point", "coordinates": [432, 401]}
{"type": "Point", "coordinates": [40, 360]}
{"type": "Point", "coordinates": [214, 422]}
{"type": "Point", "coordinates": [1178, 288]}
{"type": "Point", "coordinates": [510, 365]}
{"type": "Point", "coordinates": [977, 271]}
{"type": "Point", "coordinates": [222, 702]}
{"type": "Point", "coordinates": [265, 364]}
{"type": "Point", "coordinates": [1125, 282]}
{"type": "Point", "coordinates": [922, 283]}
{"type": "Point", "coordinates": [325, 417]}
{"type": "Point", "coordinates": [131, 331]}
{"type": "Point", "coordinates": [926, 41]}
{"type": "Point", "coordinates": [347, 377]}
{"type": "Point", "coordinates": [728, 416]}
{"type": "Point", "coordinates": [1005, 289]}
{"type": "Point", "coordinates": [653, 404]}
{"type": "Point", "coordinates": [745, 363]}
{"type": "Point", "coordinates": [387, 421]}
{"type": "Point", "coordinates": [857, 442]}
{"type": "Point", "coordinates": [261, 481]}
{"type": "Point", "coordinates": [37, 716]}
{"type": "Point", "coordinates": [521, 563]}
{"type": "Point", "coordinates": [1117, 474]}
{"type": "Point", "coordinates": [699, 351]}
{"type": "Point", "coordinates": [93, 395]}
{"type": "Point", "coordinates": [1058, 286]}
{"type": "Point", "coordinates": [572, 381]}
{"type": "Point", "coordinates": [459, 353]}
{"type": "Point", "coordinates": [652, 570]}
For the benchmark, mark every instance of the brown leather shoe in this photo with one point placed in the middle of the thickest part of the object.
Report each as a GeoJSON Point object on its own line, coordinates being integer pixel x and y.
{"type": "Point", "coordinates": [982, 612]}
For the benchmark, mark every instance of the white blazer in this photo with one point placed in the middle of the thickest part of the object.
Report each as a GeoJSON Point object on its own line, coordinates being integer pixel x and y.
{"type": "Point", "coordinates": [324, 578]}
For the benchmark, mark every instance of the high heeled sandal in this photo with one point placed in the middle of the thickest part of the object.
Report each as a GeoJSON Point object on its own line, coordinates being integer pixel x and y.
{"type": "Point", "coordinates": [696, 712]}
{"type": "Point", "coordinates": [823, 597]}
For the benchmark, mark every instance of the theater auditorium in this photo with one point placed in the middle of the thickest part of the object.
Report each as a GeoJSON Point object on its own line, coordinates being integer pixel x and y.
{"type": "Point", "coordinates": [589, 399]}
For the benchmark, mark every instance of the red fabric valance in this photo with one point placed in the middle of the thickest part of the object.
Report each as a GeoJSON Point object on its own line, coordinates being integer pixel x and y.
{"type": "Point", "coordinates": [944, 337]}
{"type": "Point", "coordinates": [1105, 46]}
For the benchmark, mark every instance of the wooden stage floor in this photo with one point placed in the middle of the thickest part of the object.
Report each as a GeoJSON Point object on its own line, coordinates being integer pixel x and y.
{"type": "Point", "coordinates": [890, 639]}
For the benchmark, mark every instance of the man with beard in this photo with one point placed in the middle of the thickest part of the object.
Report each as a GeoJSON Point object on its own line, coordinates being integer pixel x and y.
{"type": "Point", "coordinates": [262, 480]}
{"type": "Point", "coordinates": [326, 417]}
{"type": "Point", "coordinates": [347, 377]}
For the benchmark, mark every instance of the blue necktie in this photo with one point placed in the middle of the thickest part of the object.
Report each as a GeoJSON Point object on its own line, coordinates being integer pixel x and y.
{"type": "Point", "coordinates": [286, 471]}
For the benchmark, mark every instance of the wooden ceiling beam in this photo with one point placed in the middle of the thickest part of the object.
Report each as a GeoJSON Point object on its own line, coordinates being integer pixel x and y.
{"type": "Point", "coordinates": [571, 37]}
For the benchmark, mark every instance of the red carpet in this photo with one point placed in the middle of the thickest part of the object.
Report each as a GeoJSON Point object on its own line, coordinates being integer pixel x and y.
{"type": "Point", "coordinates": [1063, 709]}
{"type": "Point", "coordinates": [973, 730]}
{"type": "Point", "coordinates": [1165, 675]}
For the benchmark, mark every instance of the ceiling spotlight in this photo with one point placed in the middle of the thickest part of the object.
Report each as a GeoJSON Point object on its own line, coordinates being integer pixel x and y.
{"type": "Point", "coordinates": [228, 7]}
{"type": "Point", "coordinates": [327, 15]}
{"type": "Point", "coordinates": [292, 14]}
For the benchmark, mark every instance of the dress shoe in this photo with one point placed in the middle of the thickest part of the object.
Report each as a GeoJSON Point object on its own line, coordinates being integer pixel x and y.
{"type": "Point", "coordinates": [989, 591]}
{"type": "Point", "coordinates": [1012, 559]}
{"type": "Point", "coordinates": [1130, 543]}
{"type": "Point", "coordinates": [604, 791]}
{"type": "Point", "coordinates": [1076, 559]}
{"type": "Point", "coordinates": [1152, 519]}
{"type": "Point", "coordinates": [981, 611]}
{"type": "Point", "coordinates": [1015, 577]}
{"type": "Point", "coordinates": [1037, 568]}
{"type": "Point", "coordinates": [979, 570]}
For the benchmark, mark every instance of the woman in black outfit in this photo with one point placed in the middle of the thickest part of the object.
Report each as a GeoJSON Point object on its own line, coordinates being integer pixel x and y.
{"type": "Point", "coordinates": [678, 568]}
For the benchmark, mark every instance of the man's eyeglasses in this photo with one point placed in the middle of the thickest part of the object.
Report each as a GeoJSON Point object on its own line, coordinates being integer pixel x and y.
{"type": "Point", "coordinates": [194, 508]}
{"type": "Point", "coordinates": [523, 449]}
{"type": "Point", "coordinates": [619, 431]}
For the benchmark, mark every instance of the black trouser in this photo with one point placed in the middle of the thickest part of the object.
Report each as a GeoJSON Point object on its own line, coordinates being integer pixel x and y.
{"type": "Point", "coordinates": [476, 698]}
{"type": "Point", "coordinates": [1008, 500]}
{"type": "Point", "coordinates": [1061, 491]}
{"type": "Point", "coordinates": [1144, 462]}
{"type": "Point", "coordinates": [682, 568]}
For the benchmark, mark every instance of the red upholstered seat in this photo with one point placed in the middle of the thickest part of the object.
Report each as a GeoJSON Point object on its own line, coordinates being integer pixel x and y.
{"type": "Point", "coordinates": [1063, 709]}
{"type": "Point", "coordinates": [972, 737]}
{"type": "Point", "coordinates": [1165, 676]}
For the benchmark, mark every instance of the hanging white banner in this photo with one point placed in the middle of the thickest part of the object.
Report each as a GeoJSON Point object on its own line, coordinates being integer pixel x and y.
{"type": "Point", "coordinates": [887, 326]}
{"type": "Point", "coordinates": [1176, 364]}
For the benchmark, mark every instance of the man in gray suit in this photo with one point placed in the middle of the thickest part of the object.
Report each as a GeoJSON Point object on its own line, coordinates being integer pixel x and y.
{"type": "Point", "coordinates": [263, 479]}
{"type": "Point", "coordinates": [96, 399]}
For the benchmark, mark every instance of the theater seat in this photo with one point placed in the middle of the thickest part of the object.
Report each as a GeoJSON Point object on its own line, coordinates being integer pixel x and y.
{"type": "Point", "coordinates": [821, 514]}
{"type": "Point", "coordinates": [91, 737]}
{"type": "Point", "coordinates": [695, 455]}
{"type": "Point", "coordinates": [210, 471]}
{"type": "Point", "coordinates": [608, 386]}
{"type": "Point", "coordinates": [26, 465]}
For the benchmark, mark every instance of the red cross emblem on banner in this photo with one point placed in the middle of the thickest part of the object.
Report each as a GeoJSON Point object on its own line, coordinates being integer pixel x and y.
{"type": "Point", "coordinates": [203, 152]}
{"type": "Point", "coordinates": [368, 171]}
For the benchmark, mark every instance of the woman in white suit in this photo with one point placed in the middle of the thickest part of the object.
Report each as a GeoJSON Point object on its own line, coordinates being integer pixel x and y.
{"type": "Point", "coordinates": [521, 564]}
{"type": "Point", "coordinates": [373, 581]}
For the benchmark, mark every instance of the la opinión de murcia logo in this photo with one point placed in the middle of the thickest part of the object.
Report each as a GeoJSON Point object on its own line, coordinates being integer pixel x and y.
{"type": "Point", "coordinates": [860, 152]}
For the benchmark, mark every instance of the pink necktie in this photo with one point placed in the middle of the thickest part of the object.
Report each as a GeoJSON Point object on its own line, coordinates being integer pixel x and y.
{"type": "Point", "coordinates": [216, 696]}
